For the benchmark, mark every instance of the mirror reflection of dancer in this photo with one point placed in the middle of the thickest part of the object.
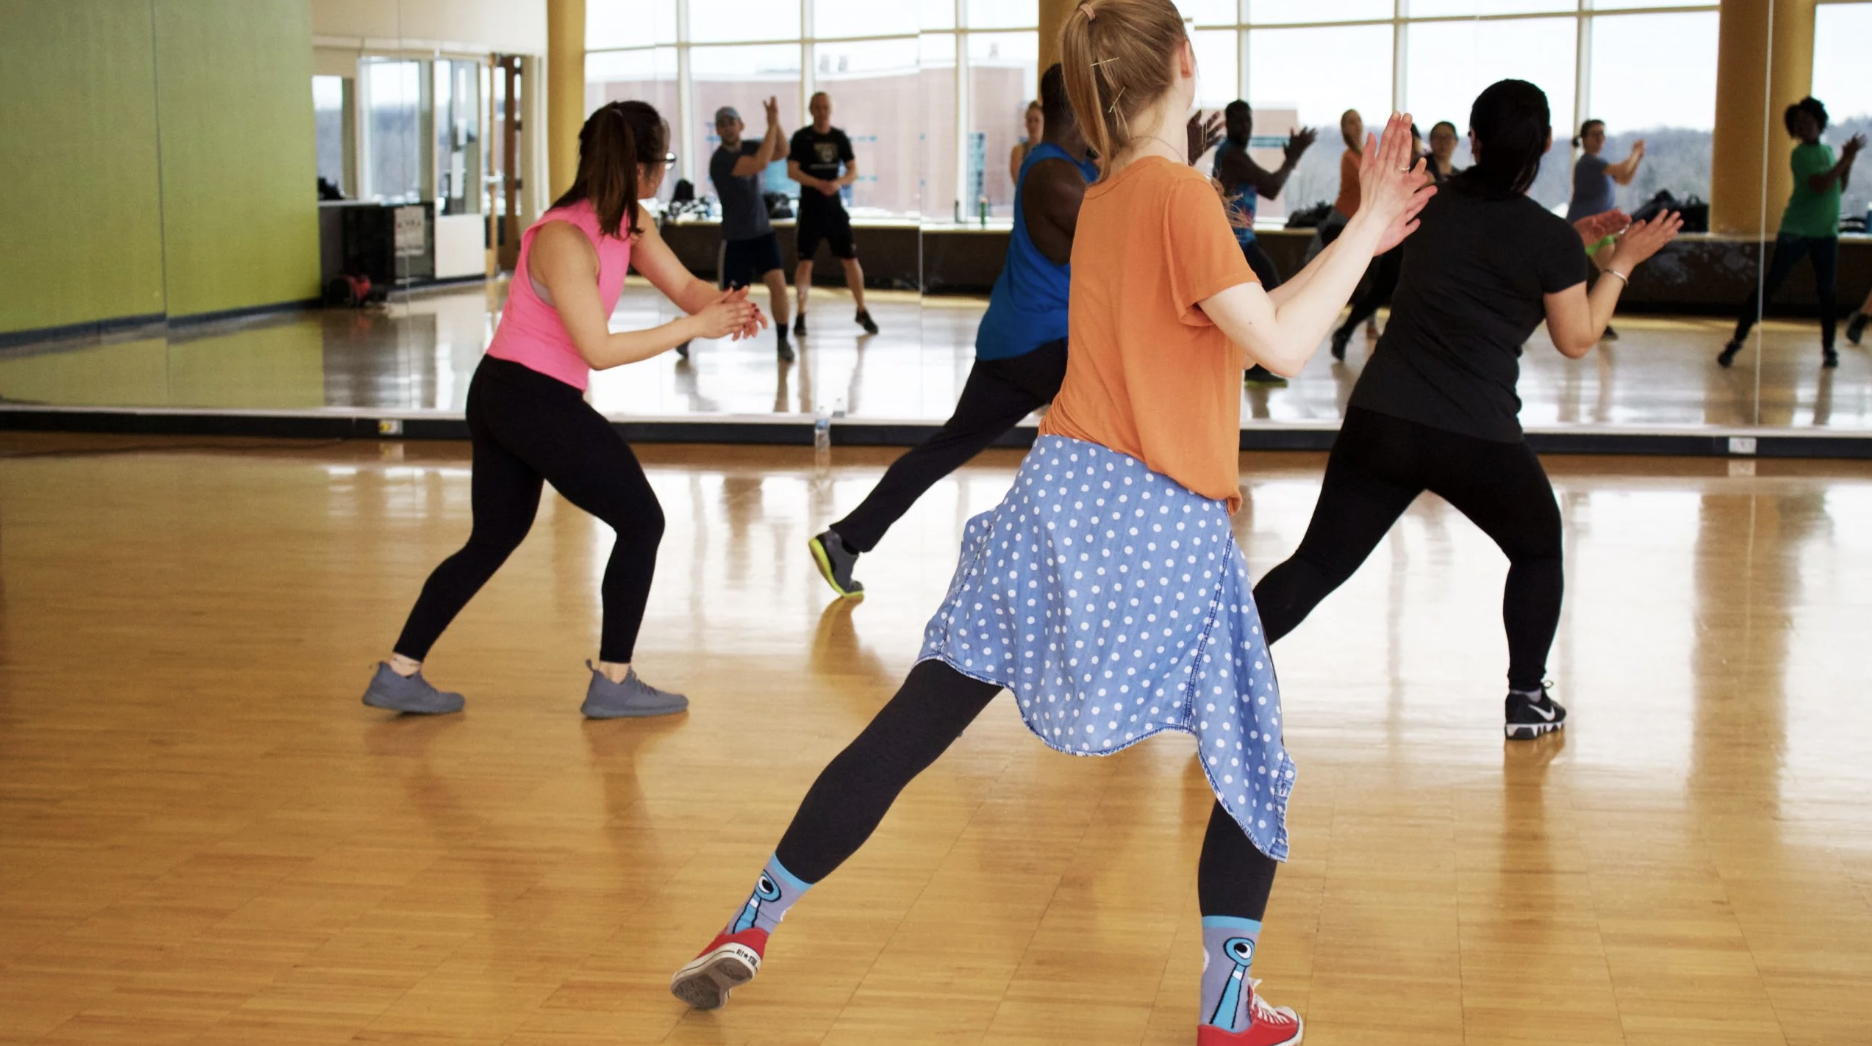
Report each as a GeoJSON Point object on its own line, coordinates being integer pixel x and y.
{"type": "Point", "coordinates": [530, 424]}
{"type": "Point", "coordinates": [1107, 590]}
{"type": "Point", "coordinates": [821, 161]}
{"type": "Point", "coordinates": [750, 251]}
{"type": "Point", "coordinates": [1809, 226]}
{"type": "Point", "coordinates": [1594, 179]}
{"type": "Point", "coordinates": [1035, 124]}
{"type": "Point", "coordinates": [1020, 347]}
{"type": "Point", "coordinates": [1383, 279]}
{"type": "Point", "coordinates": [1245, 182]}
{"type": "Point", "coordinates": [1855, 327]}
{"type": "Point", "coordinates": [1436, 409]}
{"type": "Point", "coordinates": [1443, 152]}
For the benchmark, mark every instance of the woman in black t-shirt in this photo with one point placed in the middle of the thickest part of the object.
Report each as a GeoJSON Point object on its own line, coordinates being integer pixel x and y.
{"type": "Point", "coordinates": [1436, 409]}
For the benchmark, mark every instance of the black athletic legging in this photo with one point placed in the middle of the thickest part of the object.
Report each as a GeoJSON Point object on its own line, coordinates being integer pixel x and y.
{"type": "Point", "coordinates": [526, 428]}
{"type": "Point", "coordinates": [1385, 270]}
{"type": "Point", "coordinates": [997, 395]}
{"type": "Point", "coordinates": [934, 706]}
{"type": "Point", "coordinates": [1379, 465]}
{"type": "Point", "coordinates": [1788, 252]}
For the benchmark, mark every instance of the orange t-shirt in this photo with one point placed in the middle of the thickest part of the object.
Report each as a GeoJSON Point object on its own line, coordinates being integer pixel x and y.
{"type": "Point", "coordinates": [1347, 203]}
{"type": "Point", "coordinates": [1147, 373]}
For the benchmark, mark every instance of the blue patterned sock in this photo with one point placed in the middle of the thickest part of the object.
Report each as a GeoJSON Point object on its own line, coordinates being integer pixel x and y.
{"type": "Point", "coordinates": [774, 892]}
{"type": "Point", "coordinates": [1228, 948]}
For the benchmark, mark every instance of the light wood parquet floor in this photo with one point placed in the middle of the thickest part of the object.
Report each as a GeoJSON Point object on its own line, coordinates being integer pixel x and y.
{"type": "Point", "coordinates": [205, 838]}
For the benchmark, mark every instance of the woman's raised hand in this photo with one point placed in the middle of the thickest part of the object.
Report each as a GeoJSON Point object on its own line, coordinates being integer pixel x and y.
{"type": "Point", "coordinates": [1597, 227]}
{"type": "Point", "coordinates": [1394, 184]}
{"type": "Point", "coordinates": [731, 314]}
{"type": "Point", "coordinates": [1643, 240]}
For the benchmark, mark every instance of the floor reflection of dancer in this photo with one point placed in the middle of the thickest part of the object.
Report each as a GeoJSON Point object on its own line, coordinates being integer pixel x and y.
{"type": "Point", "coordinates": [1809, 226]}
{"type": "Point", "coordinates": [1020, 347]}
{"type": "Point", "coordinates": [821, 160]}
{"type": "Point", "coordinates": [530, 424]}
{"type": "Point", "coordinates": [1107, 590]}
{"type": "Point", "coordinates": [750, 251]}
{"type": "Point", "coordinates": [1246, 182]}
{"type": "Point", "coordinates": [1436, 409]}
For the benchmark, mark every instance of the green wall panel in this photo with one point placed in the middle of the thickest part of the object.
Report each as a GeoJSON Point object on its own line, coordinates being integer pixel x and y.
{"type": "Point", "coordinates": [78, 163]}
{"type": "Point", "coordinates": [234, 103]}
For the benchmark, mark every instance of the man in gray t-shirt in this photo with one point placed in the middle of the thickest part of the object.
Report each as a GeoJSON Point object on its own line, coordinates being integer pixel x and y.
{"type": "Point", "coordinates": [749, 249]}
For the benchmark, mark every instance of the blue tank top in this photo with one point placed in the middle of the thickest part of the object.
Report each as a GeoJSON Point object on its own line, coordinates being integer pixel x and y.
{"type": "Point", "coordinates": [1028, 306]}
{"type": "Point", "coordinates": [1243, 199]}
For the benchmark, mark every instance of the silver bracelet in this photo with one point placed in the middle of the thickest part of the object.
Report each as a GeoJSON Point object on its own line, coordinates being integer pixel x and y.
{"type": "Point", "coordinates": [1622, 278]}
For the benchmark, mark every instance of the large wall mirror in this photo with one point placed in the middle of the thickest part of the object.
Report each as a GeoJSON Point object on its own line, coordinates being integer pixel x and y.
{"type": "Point", "coordinates": [424, 130]}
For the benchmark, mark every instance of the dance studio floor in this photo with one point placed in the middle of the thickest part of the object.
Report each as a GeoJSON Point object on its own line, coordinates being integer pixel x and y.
{"type": "Point", "coordinates": [205, 838]}
{"type": "Point", "coordinates": [418, 355]}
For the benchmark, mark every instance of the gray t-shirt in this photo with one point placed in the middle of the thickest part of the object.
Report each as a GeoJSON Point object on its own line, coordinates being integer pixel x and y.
{"type": "Point", "coordinates": [744, 213]}
{"type": "Point", "coordinates": [1592, 188]}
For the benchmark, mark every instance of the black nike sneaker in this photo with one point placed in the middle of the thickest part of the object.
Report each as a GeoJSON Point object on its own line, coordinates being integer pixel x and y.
{"type": "Point", "coordinates": [799, 325]}
{"type": "Point", "coordinates": [1829, 358]}
{"type": "Point", "coordinates": [1527, 719]}
{"type": "Point", "coordinates": [835, 563]}
{"type": "Point", "coordinates": [863, 319]}
{"type": "Point", "coordinates": [1855, 328]}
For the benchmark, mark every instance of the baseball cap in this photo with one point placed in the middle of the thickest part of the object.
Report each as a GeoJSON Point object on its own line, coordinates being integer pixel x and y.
{"type": "Point", "coordinates": [727, 112]}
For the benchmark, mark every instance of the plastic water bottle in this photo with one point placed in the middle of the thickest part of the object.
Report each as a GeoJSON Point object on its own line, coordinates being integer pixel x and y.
{"type": "Point", "coordinates": [821, 430]}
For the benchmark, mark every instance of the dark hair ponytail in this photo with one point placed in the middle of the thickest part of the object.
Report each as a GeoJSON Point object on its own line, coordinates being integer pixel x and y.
{"type": "Point", "coordinates": [616, 138]}
{"type": "Point", "coordinates": [1586, 129]}
{"type": "Point", "coordinates": [1513, 126]}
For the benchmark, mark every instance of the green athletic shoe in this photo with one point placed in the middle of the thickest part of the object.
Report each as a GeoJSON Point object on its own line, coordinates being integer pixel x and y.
{"type": "Point", "coordinates": [835, 564]}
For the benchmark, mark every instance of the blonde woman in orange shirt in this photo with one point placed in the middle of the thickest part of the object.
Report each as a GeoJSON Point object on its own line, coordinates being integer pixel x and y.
{"type": "Point", "coordinates": [1106, 590]}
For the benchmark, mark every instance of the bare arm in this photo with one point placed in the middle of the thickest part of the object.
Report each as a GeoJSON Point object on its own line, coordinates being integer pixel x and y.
{"type": "Point", "coordinates": [1282, 335]}
{"type": "Point", "coordinates": [1625, 170]}
{"type": "Point", "coordinates": [1841, 170]}
{"type": "Point", "coordinates": [1050, 202]}
{"type": "Point", "coordinates": [1014, 165]}
{"type": "Point", "coordinates": [1576, 319]}
{"type": "Point", "coordinates": [563, 261]}
{"type": "Point", "coordinates": [850, 176]}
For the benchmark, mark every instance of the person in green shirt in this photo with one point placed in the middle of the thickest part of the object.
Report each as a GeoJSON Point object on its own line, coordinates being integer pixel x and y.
{"type": "Point", "coordinates": [1809, 225]}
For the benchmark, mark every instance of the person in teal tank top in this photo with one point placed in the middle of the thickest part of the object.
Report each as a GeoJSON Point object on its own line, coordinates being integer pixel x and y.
{"type": "Point", "coordinates": [1809, 226]}
{"type": "Point", "coordinates": [1020, 347]}
{"type": "Point", "coordinates": [1245, 182]}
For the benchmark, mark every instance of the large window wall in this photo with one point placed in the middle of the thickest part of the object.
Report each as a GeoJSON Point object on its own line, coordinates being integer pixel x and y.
{"type": "Point", "coordinates": [900, 74]}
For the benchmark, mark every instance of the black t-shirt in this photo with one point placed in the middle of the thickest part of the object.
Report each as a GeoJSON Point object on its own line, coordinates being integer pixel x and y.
{"type": "Point", "coordinates": [820, 156]}
{"type": "Point", "coordinates": [1469, 295]}
{"type": "Point", "coordinates": [744, 212]}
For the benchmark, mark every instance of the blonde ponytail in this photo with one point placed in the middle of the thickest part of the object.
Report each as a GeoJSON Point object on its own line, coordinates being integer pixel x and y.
{"type": "Point", "coordinates": [1117, 57]}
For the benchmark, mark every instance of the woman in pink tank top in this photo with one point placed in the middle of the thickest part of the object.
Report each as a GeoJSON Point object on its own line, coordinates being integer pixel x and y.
{"type": "Point", "coordinates": [530, 423]}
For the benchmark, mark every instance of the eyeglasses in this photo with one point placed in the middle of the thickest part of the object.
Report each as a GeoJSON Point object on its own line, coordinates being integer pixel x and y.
{"type": "Point", "coordinates": [669, 160]}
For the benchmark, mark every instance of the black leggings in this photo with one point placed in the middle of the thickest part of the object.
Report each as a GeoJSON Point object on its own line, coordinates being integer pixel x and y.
{"type": "Point", "coordinates": [526, 428]}
{"type": "Point", "coordinates": [1379, 465]}
{"type": "Point", "coordinates": [1382, 283]}
{"type": "Point", "coordinates": [1788, 252]}
{"type": "Point", "coordinates": [998, 394]}
{"type": "Point", "coordinates": [934, 706]}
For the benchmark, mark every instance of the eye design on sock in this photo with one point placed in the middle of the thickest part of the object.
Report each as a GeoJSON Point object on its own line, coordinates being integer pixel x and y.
{"type": "Point", "coordinates": [765, 890]}
{"type": "Point", "coordinates": [1241, 951]}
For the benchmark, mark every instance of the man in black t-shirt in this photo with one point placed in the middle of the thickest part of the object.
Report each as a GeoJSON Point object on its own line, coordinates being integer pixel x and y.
{"type": "Point", "coordinates": [821, 161]}
{"type": "Point", "coordinates": [749, 249]}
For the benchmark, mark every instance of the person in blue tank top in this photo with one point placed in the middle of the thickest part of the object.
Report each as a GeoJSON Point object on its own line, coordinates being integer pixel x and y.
{"type": "Point", "coordinates": [1020, 347]}
{"type": "Point", "coordinates": [1245, 182]}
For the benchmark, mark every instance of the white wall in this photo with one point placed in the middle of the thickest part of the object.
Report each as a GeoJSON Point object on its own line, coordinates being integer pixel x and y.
{"type": "Point", "coordinates": [459, 26]}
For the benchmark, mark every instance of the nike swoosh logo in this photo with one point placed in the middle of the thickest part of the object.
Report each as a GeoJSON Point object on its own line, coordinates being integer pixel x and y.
{"type": "Point", "coordinates": [1546, 714]}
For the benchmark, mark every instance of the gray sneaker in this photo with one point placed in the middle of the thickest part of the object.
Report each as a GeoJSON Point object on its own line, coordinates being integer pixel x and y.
{"type": "Point", "coordinates": [411, 694]}
{"type": "Point", "coordinates": [631, 698]}
{"type": "Point", "coordinates": [835, 564]}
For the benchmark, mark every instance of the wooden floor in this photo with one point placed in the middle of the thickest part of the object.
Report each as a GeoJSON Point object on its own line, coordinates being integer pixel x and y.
{"type": "Point", "coordinates": [205, 838]}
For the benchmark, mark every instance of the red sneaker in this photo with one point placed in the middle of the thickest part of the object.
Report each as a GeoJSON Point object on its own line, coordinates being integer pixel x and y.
{"type": "Point", "coordinates": [727, 963]}
{"type": "Point", "coordinates": [1268, 1026]}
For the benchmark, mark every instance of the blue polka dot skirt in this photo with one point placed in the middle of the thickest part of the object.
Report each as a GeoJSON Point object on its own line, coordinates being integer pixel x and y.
{"type": "Point", "coordinates": [1115, 604]}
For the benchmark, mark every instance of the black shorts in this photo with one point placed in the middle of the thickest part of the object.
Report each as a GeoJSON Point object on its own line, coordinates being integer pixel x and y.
{"type": "Point", "coordinates": [744, 262]}
{"type": "Point", "coordinates": [833, 228]}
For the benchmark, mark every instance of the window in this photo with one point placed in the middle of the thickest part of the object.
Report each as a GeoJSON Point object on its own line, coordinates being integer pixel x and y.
{"type": "Point", "coordinates": [833, 19]}
{"type": "Point", "coordinates": [1003, 14]}
{"type": "Point", "coordinates": [1218, 61]}
{"type": "Point", "coordinates": [331, 110]}
{"type": "Point", "coordinates": [1451, 62]}
{"type": "Point", "coordinates": [647, 74]}
{"type": "Point", "coordinates": [875, 91]}
{"type": "Point", "coordinates": [394, 129]}
{"type": "Point", "coordinates": [1004, 75]}
{"type": "Point", "coordinates": [743, 77]}
{"type": "Point", "coordinates": [1840, 80]}
{"type": "Point", "coordinates": [1665, 95]}
{"type": "Point", "coordinates": [727, 21]}
{"type": "Point", "coordinates": [1287, 12]}
{"type": "Point", "coordinates": [458, 152]}
{"type": "Point", "coordinates": [1317, 74]}
{"type": "Point", "coordinates": [937, 128]}
{"type": "Point", "coordinates": [617, 24]}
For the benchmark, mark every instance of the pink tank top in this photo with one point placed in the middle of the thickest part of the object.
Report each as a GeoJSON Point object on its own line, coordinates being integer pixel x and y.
{"type": "Point", "coordinates": [531, 332]}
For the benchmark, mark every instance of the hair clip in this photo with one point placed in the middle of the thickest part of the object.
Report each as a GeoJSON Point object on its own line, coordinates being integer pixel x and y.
{"type": "Point", "coordinates": [1104, 61]}
{"type": "Point", "coordinates": [1115, 98]}
{"type": "Point", "coordinates": [1087, 8]}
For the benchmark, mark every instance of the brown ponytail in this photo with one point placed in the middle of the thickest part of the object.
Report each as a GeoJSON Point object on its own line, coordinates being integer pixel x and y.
{"type": "Point", "coordinates": [1117, 57]}
{"type": "Point", "coordinates": [616, 139]}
